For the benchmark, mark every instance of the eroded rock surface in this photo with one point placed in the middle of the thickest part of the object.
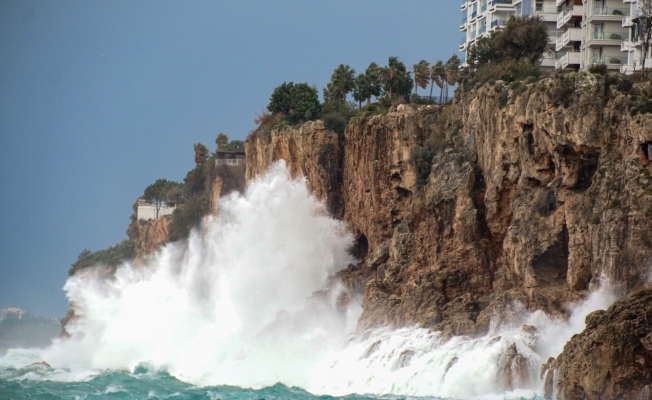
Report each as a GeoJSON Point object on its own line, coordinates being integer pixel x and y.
{"type": "Point", "coordinates": [612, 357]}
{"type": "Point", "coordinates": [526, 200]}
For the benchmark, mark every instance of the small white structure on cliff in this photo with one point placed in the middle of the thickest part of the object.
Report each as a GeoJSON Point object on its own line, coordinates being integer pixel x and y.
{"type": "Point", "coordinates": [147, 210]}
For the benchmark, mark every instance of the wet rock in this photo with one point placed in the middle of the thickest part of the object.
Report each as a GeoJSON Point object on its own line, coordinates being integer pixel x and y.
{"type": "Point", "coordinates": [612, 357]}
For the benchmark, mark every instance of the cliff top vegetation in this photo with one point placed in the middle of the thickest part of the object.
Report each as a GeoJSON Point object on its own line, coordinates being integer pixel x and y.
{"type": "Point", "coordinates": [292, 103]}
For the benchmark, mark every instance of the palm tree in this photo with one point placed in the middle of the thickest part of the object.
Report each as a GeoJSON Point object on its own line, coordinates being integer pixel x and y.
{"type": "Point", "coordinates": [393, 74]}
{"type": "Point", "coordinates": [201, 153]}
{"type": "Point", "coordinates": [421, 75]}
{"type": "Point", "coordinates": [436, 72]}
{"type": "Point", "coordinates": [373, 74]}
{"type": "Point", "coordinates": [361, 89]}
{"type": "Point", "coordinates": [452, 71]}
{"type": "Point", "coordinates": [342, 82]}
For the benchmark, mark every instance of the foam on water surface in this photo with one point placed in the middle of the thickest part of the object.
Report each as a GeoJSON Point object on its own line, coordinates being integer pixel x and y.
{"type": "Point", "coordinates": [234, 306]}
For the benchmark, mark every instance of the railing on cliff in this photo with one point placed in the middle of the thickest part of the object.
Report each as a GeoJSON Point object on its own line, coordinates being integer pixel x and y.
{"type": "Point", "coordinates": [418, 99]}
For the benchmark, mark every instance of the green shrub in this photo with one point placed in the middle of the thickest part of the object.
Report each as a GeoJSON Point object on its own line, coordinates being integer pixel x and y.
{"type": "Point", "coordinates": [599, 69]}
{"type": "Point", "coordinates": [421, 159]}
{"type": "Point", "coordinates": [298, 102]}
{"type": "Point", "coordinates": [624, 85]}
{"type": "Point", "coordinates": [385, 102]}
{"type": "Point", "coordinates": [640, 102]}
{"type": "Point", "coordinates": [112, 256]}
{"type": "Point", "coordinates": [416, 99]}
{"type": "Point", "coordinates": [561, 93]}
{"type": "Point", "coordinates": [335, 122]}
{"type": "Point", "coordinates": [187, 216]}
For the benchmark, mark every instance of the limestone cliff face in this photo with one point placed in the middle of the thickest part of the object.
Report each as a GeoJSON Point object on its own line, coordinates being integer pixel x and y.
{"type": "Point", "coordinates": [148, 236]}
{"type": "Point", "coordinates": [526, 200]}
{"type": "Point", "coordinates": [311, 151]}
{"type": "Point", "coordinates": [612, 358]}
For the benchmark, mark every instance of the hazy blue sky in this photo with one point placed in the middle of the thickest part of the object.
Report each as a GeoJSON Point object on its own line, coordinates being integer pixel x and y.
{"type": "Point", "coordinates": [100, 98]}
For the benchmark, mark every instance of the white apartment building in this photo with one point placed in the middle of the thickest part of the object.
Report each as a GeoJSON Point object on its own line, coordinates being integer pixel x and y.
{"type": "Point", "coordinates": [481, 17]}
{"type": "Point", "coordinates": [599, 32]}
{"type": "Point", "coordinates": [632, 46]}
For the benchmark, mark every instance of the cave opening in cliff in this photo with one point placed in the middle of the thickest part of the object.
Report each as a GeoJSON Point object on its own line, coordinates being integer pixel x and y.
{"type": "Point", "coordinates": [647, 150]}
{"type": "Point", "coordinates": [551, 267]}
{"type": "Point", "coordinates": [361, 247]}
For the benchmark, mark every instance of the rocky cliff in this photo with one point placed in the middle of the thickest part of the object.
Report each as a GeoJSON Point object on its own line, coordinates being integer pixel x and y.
{"type": "Point", "coordinates": [311, 151]}
{"type": "Point", "coordinates": [534, 191]}
{"type": "Point", "coordinates": [612, 358]}
{"type": "Point", "coordinates": [148, 236]}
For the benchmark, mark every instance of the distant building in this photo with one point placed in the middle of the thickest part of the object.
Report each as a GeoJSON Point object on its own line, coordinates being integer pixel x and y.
{"type": "Point", "coordinates": [632, 45]}
{"type": "Point", "coordinates": [481, 17]}
{"type": "Point", "coordinates": [230, 158]}
{"type": "Point", "coordinates": [147, 210]}
{"type": "Point", "coordinates": [600, 32]}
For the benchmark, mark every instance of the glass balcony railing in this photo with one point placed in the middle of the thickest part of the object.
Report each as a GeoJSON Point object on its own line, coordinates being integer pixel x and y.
{"type": "Point", "coordinates": [608, 60]}
{"type": "Point", "coordinates": [465, 20]}
{"type": "Point", "coordinates": [498, 22]}
{"type": "Point", "coordinates": [494, 2]}
{"type": "Point", "coordinates": [474, 14]}
{"type": "Point", "coordinates": [610, 35]}
{"type": "Point", "coordinates": [482, 30]}
{"type": "Point", "coordinates": [620, 12]}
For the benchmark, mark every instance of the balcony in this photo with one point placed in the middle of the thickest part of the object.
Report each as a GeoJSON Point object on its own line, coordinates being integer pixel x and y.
{"type": "Point", "coordinates": [463, 26]}
{"type": "Point", "coordinates": [570, 58]}
{"type": "Point", "coordinates": [626, 45]}
{"type": "Point", "coordinates": [497, 24]}
{"type": "Point", "coordinates": [627, 21]}
{"type": "Point", "coordinates": [473, 15]}
{"type": "Point", "coordinates": [565, 15]}
{"type": "Point", "coordinates": [464, 5]}
{"type": "Point", "coordinates": [462, 46]}
{"type": "Point", "coordinates": [611, 36]}
{"type": "Point", "coordinates": [500, 5]}
{"type": "Point", "coordinates": [482, 30]}
{"type": "Point", "coordinates": [547, 14]}
{"type": "Point", "coordinates": [612, 62]}
{"type": "Point", "coordinates": [571, 35]}
{"type": "Point", "coordinates": [549, 59]}
{"type": "Point", "coordinates": [609, 13]}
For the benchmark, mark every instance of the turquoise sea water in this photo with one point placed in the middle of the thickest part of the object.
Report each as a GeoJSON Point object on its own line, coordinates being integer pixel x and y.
{"type": "Point", "coordinates": [142, 384]}
{"type": "Point", "coordinates": [33, 383]}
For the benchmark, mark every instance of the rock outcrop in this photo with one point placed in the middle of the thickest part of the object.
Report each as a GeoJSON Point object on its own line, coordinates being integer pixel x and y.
{"type": "Point", "coordinates": [529, 198]}
{"type": "Point", "coordinates": [612, 358]}
{"type": "Point", "coordinates": [148, 236]}
{"type": "Point", "coordinates": [311, 151]}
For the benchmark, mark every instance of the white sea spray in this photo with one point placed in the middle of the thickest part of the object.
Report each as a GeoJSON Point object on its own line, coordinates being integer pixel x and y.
{"type": "Point", "coordinates": [234, 305]}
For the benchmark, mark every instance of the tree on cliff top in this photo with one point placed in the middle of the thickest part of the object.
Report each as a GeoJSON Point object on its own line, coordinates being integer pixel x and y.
{"type": "Point", "coordinates": [437, 76]}
{"type": "Point", "coordinates": [156, 193]}
{"type": "Point", "coordinates": [342, 82]}
{"type": "Point", "coordinates": [421, 75]}
{"type": "Point", "coordinates": [201, 153]}
{"type": "Point", "coordinates": [297, 103]}
{"type": "Point", "coordinates": [221, 140]}
{"type": "Point", "coordinates": [522, 38]}
{"type": "Point", "coordinates": [396, 79]}
{"type": "Point", "coordinates": [112, 256]}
